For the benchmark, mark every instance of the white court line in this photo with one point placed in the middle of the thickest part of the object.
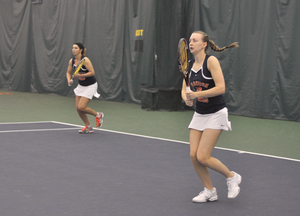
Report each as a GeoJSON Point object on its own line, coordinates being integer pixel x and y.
{"type": "Point", "coordinates": [137, 135]}
{"type": "Point", "coordinates": [26, 122]}
{"type": "Point", "coordinates": [35, 130]}
{"type": "Point", "coordinates": [186, 143]}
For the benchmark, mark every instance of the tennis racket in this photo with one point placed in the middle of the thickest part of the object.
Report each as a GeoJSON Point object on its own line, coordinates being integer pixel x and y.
{"type": "Point", "coordinates": [77, 68]}
{"type": "Point", "coordinates": [183, 61]}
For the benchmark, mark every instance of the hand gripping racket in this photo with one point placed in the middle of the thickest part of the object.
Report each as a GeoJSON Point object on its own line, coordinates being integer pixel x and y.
{"type": "Point", "coordinates": [183, 61]}
{"type": "Point", "coordinates": [77, 69]}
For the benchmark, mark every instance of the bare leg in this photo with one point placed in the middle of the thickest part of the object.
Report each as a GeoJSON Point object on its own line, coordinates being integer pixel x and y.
{"type": "Point", "coordinates": [201, 145]}
{"type": "Point", "coordinates": [82, 109]}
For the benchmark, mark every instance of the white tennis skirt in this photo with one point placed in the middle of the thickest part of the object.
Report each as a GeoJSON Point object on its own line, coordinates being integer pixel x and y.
{"type": "Point", "coordinates": [218, 121]}
{"type": "Point", "coordinates": [87, 91]}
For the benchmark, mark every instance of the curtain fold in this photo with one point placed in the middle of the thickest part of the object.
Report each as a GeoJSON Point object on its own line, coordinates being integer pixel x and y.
{"type": "Point", "coordinates": [133, 44]}
{"type": "Point", "coordinates": [15, 52]}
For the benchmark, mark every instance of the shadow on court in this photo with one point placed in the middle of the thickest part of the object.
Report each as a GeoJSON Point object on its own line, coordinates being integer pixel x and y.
{"type": "Point", "coordinates": [49, 169]}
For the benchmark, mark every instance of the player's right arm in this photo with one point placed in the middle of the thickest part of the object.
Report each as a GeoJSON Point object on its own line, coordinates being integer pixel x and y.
{"type": "Point", "coordinates": [183, 95]}
{"type": "Point", "coordinates": [69, 72]}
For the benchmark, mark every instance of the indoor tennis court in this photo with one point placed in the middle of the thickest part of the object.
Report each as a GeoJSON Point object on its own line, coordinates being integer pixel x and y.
{"type": "Point", "coordinates": [48, 168]}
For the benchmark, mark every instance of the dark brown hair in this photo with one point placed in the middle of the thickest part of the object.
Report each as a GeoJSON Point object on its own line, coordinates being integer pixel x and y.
{"type": "Point", "coordinates": [80, 45]}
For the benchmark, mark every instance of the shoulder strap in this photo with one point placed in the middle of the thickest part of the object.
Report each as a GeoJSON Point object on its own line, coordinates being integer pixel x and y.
{"type": "Point", "coordinates": [205, 72]}
{"type": "Point", "coordinates": [205, 61]}
{"type": "Point", "coordinates": [190, 65]}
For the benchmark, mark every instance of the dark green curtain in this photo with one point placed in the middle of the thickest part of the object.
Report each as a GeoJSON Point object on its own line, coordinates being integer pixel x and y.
{"type": "Point", "coordinates": [262, 75]}
{"type": "Point", "coordinates": [133, 43]}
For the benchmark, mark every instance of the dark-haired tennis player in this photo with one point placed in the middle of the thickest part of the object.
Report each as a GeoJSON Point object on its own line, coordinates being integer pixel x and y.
{"type": "Point", "coordinates": [86, 89]}
{"type": "Point", "coordinates": [210, 117]}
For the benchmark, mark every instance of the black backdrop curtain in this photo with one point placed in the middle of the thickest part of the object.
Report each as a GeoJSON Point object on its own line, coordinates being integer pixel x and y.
{"type": "Point", "coordinates": [133, 43]}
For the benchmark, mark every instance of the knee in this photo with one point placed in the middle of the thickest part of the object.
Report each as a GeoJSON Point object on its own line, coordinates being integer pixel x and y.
{"type": "Point", "coordinates": [193, 157]}
{"type": "Point", "coordinates": [80, 108]}
{"type": "Point", "coordinates": [198, 158]}
{"type": "Point", "coordinates": [202, 159]}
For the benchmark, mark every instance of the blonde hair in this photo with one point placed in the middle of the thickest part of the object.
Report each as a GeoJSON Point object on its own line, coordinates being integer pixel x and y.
{"type": "Point", "coordinates": [212, 44]}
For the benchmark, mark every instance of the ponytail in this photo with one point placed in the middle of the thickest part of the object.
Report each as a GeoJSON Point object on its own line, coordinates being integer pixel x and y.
{"type": "Point", "coordinates": [212, 44]}
{"type": "Point", "coordinates": [218, 49]}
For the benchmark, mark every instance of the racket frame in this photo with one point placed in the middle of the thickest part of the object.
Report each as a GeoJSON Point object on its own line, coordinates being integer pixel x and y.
{"type": "Point", "coordinates": [183, 60]}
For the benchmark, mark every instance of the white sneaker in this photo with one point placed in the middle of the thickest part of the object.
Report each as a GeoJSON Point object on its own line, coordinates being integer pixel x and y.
{"type": "Point", "coordinates": [206, 195]}
{"type": "Point", "coordinates": [233, 185]}
{"type": "Point", "coordinates": [99, 119]}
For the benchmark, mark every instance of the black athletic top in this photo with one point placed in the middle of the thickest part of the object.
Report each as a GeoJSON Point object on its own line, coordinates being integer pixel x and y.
{"type": "Point", "coordinates": [84, 81]}
{"type": "Point", "coordinates": [202, 80]}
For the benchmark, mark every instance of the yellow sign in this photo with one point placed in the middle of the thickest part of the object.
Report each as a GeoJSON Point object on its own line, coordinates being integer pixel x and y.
{"type": "Point", "coordinates": [139, 32]}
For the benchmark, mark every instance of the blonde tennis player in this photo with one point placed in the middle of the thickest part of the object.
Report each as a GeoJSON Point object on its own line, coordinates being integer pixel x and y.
{"type": "Point", "coordinates": [210, 117]}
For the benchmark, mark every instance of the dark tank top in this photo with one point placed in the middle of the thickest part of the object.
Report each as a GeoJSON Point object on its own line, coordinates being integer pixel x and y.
{"type": "Point", "coordinates": [202, 80]}
{"type": "Point", "coordinates": [84, 81]}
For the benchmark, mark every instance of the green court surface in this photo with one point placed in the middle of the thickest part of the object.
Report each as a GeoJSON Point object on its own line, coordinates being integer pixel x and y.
{"type": "Point", "coordinates": [263, 136]}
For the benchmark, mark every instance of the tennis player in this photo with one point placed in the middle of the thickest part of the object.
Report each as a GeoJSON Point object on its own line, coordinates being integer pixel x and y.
{"type": "Point", "coordinates": [210, 117]}
{"type": "Point", "coordinates": [86, 89]}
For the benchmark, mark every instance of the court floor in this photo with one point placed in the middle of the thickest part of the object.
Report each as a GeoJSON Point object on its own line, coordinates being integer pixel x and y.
{"type": "Point", "coordinates": [47, 168]}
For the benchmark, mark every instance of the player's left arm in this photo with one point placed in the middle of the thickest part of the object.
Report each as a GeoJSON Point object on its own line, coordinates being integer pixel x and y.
{"type": "Point", "coordinates": [88, 65]}
{"type": "Point", "coordinates": [214, 67]}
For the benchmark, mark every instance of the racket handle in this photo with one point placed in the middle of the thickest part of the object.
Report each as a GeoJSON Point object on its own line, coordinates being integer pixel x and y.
{"type": "Point", "coordinates": [188, 88]}
{"type": "Point", "coordinates": [71, 82]}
